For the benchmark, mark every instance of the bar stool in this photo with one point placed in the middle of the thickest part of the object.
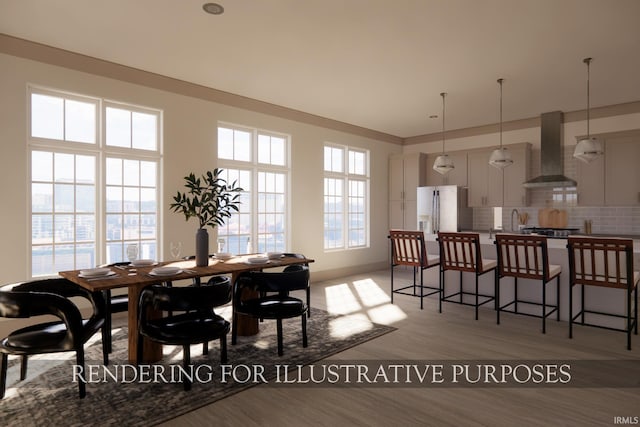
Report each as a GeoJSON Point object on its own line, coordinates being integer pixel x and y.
{"type": "Point", "coordinates": [408, 248]}
{"type": "Point", "coordinates": [526, 257]}
{"type": "Point", "coordinates": [607, 263]}
{"type": "Point", "coordinates": [461, 252]}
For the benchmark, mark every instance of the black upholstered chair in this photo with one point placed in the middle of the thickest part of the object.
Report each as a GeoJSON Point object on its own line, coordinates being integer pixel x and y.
{"type": "Point", "coordinates": [114, 304]}
{"type": "Point", "coordinates": [70, 333]}
{"type": "Point", "coordinates": [193, 319]}
{"type": "Point", "coordinates": [272, 299]}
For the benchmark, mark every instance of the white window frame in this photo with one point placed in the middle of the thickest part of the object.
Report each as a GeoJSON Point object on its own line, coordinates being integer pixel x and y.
{"type": "Point", "coordinates": [345, 177]}
{"type": "Point", "coordinates": [101, 152]}
{"type": "Point", "coordinates": [255, 168]}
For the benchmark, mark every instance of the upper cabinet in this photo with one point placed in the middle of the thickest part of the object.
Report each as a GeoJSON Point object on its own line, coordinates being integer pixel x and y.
{"type": "Point", "coordinates": [622, 171]}
{"type": "Point", "coordinates": [489, 186]}
{"type": "Point", "coordinates": [612, 179]}
{"type": "Point", "coordinates": [407, 172]}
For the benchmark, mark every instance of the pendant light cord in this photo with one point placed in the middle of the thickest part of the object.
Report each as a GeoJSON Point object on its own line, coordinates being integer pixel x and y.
{"type": "Point", "coordinates": [443, 94]}
{"type": "Point", "coordinates": [588, 62]}
{"type": "Point", "coordinates": [500, 82]}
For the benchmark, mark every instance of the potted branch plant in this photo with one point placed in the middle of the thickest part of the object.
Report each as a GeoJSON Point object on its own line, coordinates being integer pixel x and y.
{"type": "Point", "coordinates": [211, 200]}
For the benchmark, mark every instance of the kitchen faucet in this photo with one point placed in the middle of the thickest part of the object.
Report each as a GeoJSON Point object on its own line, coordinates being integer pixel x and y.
{"type": "Point", "coordinates": [514, 211]}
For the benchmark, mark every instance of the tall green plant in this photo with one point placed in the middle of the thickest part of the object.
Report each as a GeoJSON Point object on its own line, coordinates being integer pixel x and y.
{"type": "Point", "coordinates": [209, 198]}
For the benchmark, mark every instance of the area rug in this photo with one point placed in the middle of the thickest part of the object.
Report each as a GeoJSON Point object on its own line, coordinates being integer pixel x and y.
{"type": "Point", "coordinates": [124, 398]}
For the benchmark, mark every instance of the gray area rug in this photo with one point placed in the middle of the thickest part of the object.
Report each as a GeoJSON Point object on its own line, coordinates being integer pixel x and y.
{"type": "Point", "coordinates": [49, 397]}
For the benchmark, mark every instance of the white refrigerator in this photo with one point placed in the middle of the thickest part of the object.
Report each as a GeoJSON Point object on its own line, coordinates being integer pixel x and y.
{"type": "Point", "coordinates": [443, 208]}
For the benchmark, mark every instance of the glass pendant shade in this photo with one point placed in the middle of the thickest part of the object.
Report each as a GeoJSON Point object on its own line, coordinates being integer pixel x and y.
{"type": "Point", "coordinates": [588, 149]}
{"type": "Point", "coordinates": [500, 158]}
{"type": "Point", "coordinates": [443, 164]}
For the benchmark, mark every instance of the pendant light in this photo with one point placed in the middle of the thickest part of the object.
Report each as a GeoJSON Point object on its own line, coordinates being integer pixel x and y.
{"type": "Point", "coordinates": [500, 158]}
{"type": "Point", "coordinates": [443, 163]}
{"type": "Point", "coordinates": [589, 148]}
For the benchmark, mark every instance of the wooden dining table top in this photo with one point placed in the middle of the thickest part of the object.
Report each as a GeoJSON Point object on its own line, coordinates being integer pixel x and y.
{"type": "Point", "coordinates": [128, 276]}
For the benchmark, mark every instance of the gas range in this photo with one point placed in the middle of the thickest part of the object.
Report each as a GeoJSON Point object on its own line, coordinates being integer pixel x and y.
{"type": "Point", "coordinates": [555, 233]}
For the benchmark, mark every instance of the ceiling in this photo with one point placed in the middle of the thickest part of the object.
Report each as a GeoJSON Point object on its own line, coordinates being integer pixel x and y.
{"type": "Point", "coordinates": [377, 64]}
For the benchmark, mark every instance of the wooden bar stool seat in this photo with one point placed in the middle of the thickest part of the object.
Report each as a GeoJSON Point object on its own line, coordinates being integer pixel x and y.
{"type": "Point", "coordinates": [408, 248]}
{"type": "Point", "coordinates": [605, 263]}
{"type": "Point", "coordinates": [461, 252]}
{"type": "Point", "coordinates": [526, 257]}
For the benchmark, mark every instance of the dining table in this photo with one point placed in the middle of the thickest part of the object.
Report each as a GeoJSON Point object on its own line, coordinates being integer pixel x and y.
{"type": "Point", "coordinates": [135, 279]}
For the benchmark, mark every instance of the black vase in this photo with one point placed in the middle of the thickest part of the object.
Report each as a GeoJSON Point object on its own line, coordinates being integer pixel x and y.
{"type": "Point", "coordinates": [202, 247]}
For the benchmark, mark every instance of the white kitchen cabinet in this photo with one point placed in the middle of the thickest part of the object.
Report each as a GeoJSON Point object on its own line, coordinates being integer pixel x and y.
{"type": "Point", "coordinates": [407, 172]}
{"type": "Point", "coordinates": [486, 182]}
{"type": "Point", "coordinates": [458, 176]}
{"type": "Point", "coordinates": [590, 177]}
{"type": "Point", "coordinates": [622, 171]}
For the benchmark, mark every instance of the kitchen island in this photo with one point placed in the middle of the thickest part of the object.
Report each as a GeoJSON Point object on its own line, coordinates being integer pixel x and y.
{"type": "Point", "coordinates": [596, 298]}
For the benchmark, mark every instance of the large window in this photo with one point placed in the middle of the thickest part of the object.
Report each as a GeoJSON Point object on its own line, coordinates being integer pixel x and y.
{"type": "Point", "coordinates": [93, 192]}
{"type": "Point", "coordinates": [346, 197]}
{"type": "Point", "coordinates": [259, 162]}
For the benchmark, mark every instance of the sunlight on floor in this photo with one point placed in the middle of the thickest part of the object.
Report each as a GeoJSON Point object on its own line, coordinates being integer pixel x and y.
{"type": "Point", "coordinates": [351, 324]}
{"type": "Point", "coordinates": [386, 314]}
{"type": "Point", "coordinates": [370, 293]}
{"type": "Point", "coordinates": [341, 300]}
{"type": "Point", "coordinates": [352, 299]}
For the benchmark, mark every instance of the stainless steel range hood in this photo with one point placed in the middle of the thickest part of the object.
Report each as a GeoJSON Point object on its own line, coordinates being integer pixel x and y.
{"type": "Point", "coordinates": [551, 161]}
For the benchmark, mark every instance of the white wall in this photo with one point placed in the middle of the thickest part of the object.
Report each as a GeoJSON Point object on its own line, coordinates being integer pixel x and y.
{"type": "Point", "coordinates": [189, 145]}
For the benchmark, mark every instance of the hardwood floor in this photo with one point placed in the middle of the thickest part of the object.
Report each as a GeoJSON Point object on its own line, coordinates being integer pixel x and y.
{"type": "Point", "coordinates": [428, 335]}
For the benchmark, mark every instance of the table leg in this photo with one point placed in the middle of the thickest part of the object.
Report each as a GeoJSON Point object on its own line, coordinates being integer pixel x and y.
{"type": "Point", "coordinates": [152, 350]}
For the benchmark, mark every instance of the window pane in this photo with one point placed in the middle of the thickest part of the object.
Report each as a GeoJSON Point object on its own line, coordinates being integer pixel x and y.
{"type": "Point", "coordinates": [41, 198]}
{"type": "Point", "coordinates": [148, 227]}
{"type": "Point", "coordinates": [63, 167]}
{"type": "Point", "coordinates": [85, 256]}
{"type": "Point", "coordinates": [144, 131]}
{"type": "Point", "coordinates": [80, 121]}
{"type": "Point", "coordinates": [85, 169]}
{"type": "Point", "coordinates": [64, 198]}
{"type": "Point", "coordinates": [114, 171]}
{"type": "Point", "coordinates": [85, 228]}
{"type": "Point", "coordinates": [225, 143]}
{"type": "Point", "coordinates": [148, 174]}
{"type": "Point", "coordinates": [131, 199]}
{"type": "Point", "coordinates": [114, 227]}
{"type": "Point", "coordinates": [41, 166]}
{"type": "Point", "coordinates": [356, 163]}
{"type": "Point", "coordinates": [242, 149]}
{"type": "Point", "coordinates": [63, 228]}
{"type": "Point", "coordinates": [114, 199]}
{"type": "Point", "coordinates": [131, 172]}
{"type": "Point", "coordinates": [148, 200]}
{"type": "Point", "coordinates": [131, 228]}
{"type": "Point", "coordinates": [64, 257]}
{"type": "Point", "coordinates": [118, 127]}
{"type": "Point", "coordinates": [42, 261]}
{"type": "Point", "coordinates": [85, 198]}
{"type": "Point", "coordinates": [41, 229]}
{"type": "Point", "coordinates": [333, 159]}
{"type": "Point", "coordinates": [47, 114]}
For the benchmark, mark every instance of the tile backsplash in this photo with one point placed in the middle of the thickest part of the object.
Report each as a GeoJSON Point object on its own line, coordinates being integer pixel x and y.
{"type": "Point", "coordinates": [605, 219]}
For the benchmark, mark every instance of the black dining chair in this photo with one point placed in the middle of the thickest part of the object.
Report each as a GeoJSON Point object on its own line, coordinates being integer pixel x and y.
{"type": "Point", "coordinates": [192, 321]}
{"type": "Point", "coordinates": [118, 303]}
{"type": "Point", "coordinates": [69, 333]}
{"type": "Point", "coordinates": [270, 299]}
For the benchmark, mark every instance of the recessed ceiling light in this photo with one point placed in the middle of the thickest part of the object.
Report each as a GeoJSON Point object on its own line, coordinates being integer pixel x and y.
{"type": "Point", "coordinates": [213, 8]}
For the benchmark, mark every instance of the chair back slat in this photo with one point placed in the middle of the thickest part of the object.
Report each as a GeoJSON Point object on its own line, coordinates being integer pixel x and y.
{"type": "Point", "coordinates": [460, 251]}
{"type": "Point", "coordinates": [522, 256]}
{"type": "Point", "coordinates": [408, 248]}
{"type": "Point", "coordinates": [601, 262]}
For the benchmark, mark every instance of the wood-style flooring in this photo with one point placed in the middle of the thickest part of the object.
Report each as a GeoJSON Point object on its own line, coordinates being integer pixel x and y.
{"type": "Point", "coordinates": [429, 335]}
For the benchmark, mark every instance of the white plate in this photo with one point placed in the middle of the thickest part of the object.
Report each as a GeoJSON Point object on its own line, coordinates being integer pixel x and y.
{"type": "Point", "coordinates": [274, 255]}
{"type": "Point", "coordinates": [143, 263]}
{"type": "Point", "coordinates": [223, 256]}
{"type": "Point", "coordinates": [258, 260]}
{"type": "Point", "coordinates": [98, 276]}
{"type": "Point", "coordinates": [95, 272]}
{"type": "Point", "coordinates": [165, 271]}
